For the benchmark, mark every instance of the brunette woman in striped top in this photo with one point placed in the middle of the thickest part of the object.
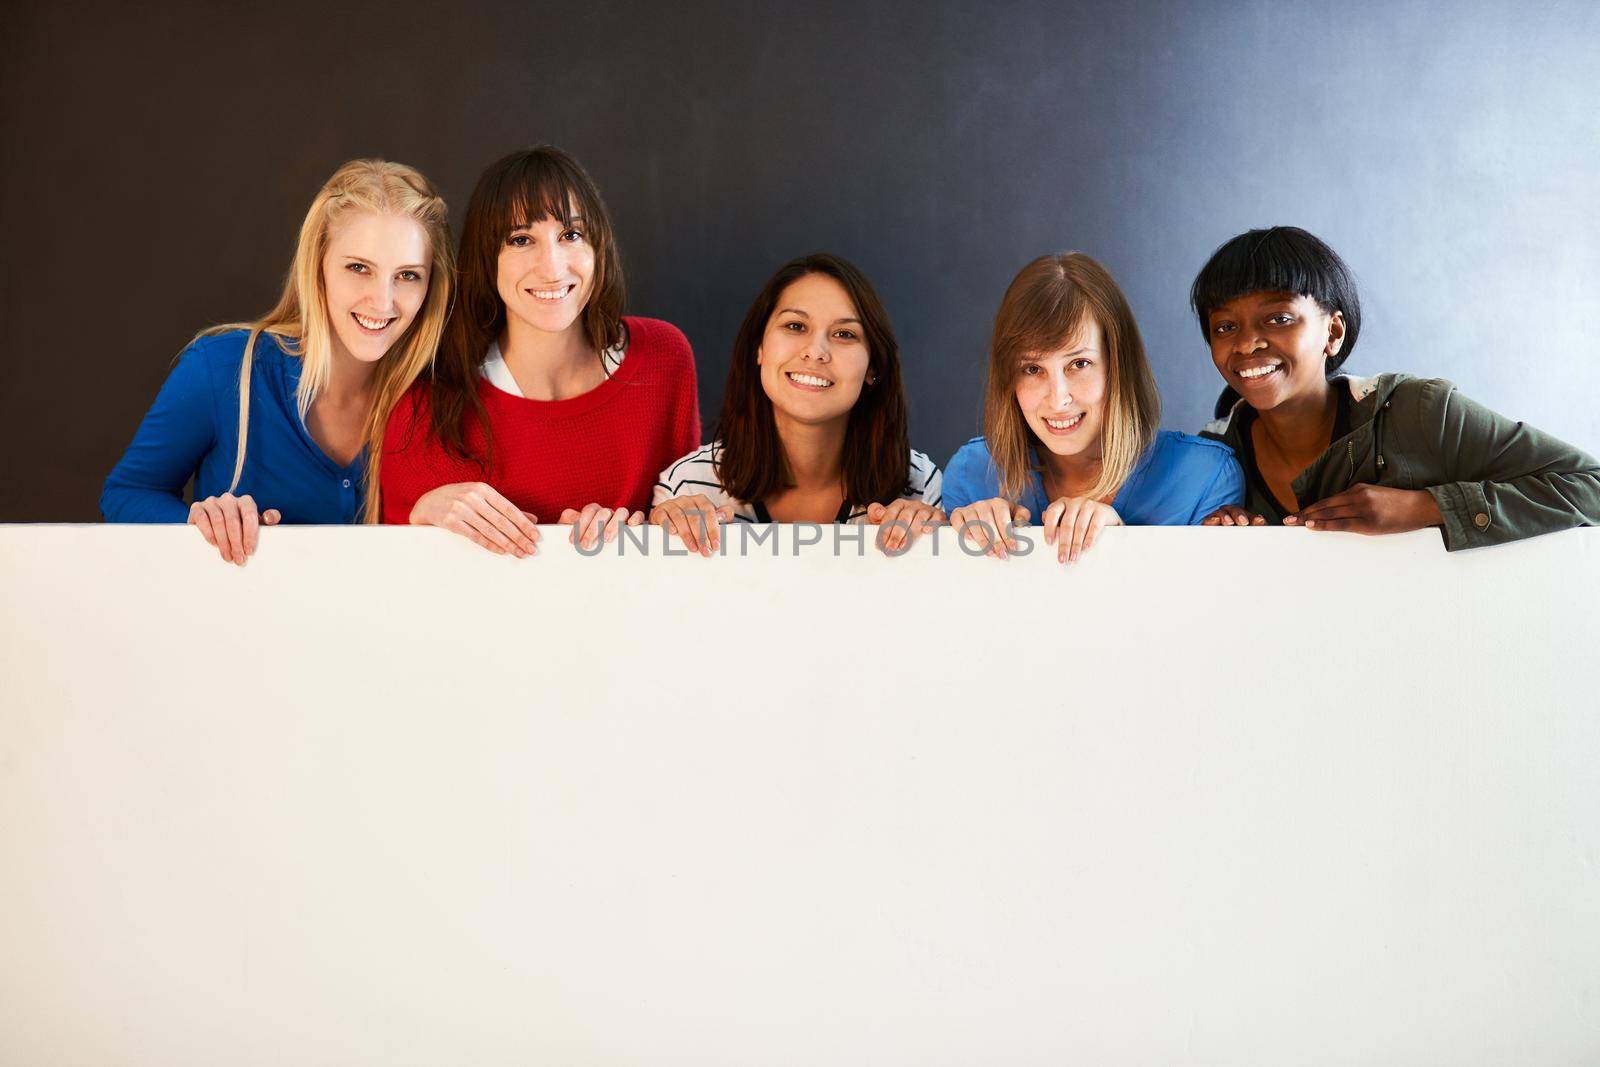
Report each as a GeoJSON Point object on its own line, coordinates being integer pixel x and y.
{"type": "Point", "coordinates": [813, 423]}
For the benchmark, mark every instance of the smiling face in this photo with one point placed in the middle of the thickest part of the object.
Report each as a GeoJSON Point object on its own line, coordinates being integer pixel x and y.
{"type": "Point", "coordinates": [546, 271]}
{"type": "Point", "coordinates": [375, 273]}
{"type": "Point", "coordinates": [814, 355]}
{"type": "Point", "coordinates": [1272, 347]}
{"type": "Point", "coordinates": [1062, 394]}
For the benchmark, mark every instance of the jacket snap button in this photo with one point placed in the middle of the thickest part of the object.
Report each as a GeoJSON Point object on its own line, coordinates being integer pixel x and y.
{"type": "Point", "coordinates": [1480, 520]}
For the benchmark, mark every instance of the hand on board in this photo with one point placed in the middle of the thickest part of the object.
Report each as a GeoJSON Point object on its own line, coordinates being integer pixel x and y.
{"type": "Point", "coordinates": [1232, 515]}
{"type": "Point", "coordinates": [901, 521]}
{"type": "Point", "coordinates": [986, 525]}
{"type": "Point", "coordinates": [477, 511]}
{"type": "Point", "coordinates": [231, 524]}
{"type": "Point", "coordinates": [1073, 522]}
{"type": "Point", "coordinates": [694, 519]}
{"type": "Point", "coordinates": [1371, 509]}
{"type": "Point", "coordinates": [594, 522]}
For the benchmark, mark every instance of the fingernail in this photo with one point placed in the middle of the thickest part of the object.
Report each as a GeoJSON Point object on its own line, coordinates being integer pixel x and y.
{"type": "Point", "coordinates": [1312, 525]}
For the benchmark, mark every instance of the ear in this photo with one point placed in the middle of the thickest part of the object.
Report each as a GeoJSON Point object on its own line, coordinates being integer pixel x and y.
{"type": "Point", "coordinates": [1335, 334]}
{"type": "Point", "coordinates": [758, 355]}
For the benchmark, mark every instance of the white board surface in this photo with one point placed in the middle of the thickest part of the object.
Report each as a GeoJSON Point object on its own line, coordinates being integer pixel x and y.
{"type": "Point", "coordinates": [1206, 797]}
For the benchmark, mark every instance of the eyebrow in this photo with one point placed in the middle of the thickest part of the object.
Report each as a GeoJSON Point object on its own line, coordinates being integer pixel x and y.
{"type": "Point", "coordinates": [528, 224]}
{"type": "Point", "coordinates": [802, 314]}
{"type": "Point", "coordinates": [403, 266]}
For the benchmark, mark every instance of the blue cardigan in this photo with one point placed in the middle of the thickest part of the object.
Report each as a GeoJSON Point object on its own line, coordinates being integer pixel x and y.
{"type": "Point", "coordinates": [1177, 482]}
{"type": "Point", "coordinates": [192, 430]}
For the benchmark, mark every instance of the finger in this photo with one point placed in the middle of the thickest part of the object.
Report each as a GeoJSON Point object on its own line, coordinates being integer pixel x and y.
{"type": "Point", "coordinates": [875, 512]}
{"type": "Point", "coordinates": [229, 505]}
{"type": "Point", "coordinates": [711, 524]}
{"type": "Point", "coordinates": [678, 523]}
{"type": "Point", "coordinates": [618, 519]}
{"type": "Point", "coordinates": [568, 517]}
{"type": "Point", "coordinates": [1097, 522]}
{"type": "Point", "coordinates": [250, 519]}
{"type": "Point", "coordinates": [271, 517]}
{"type": "Point", "coordinates": [202, 522]}
{"type": "Point", "coordinates": [1350, 524]}
{"type": "Point", "coordinates": [590, 524]}
{"type": "Point", "coordinates": [522, 529]}
{"type": "Point", "coordinates": [491, 517]}
{"type": "Point", "coordinates": [1257, 520]}
{"type": "Point", "coordinates": [213, 512]}
{"type": "Point", "coordinates": [636, 518]}
{"type": "Point", "coordinates": [1051, 516]}
{"type": "Point", "coordinates": [488, 536]}
{"type": "Point", "coordinates": [1080, 528]}
{"type": "Point", "coordinates": [891, 526]}
{"type": "Point", "coordinates": [1065, 523]}
{"type": "Point", "coordinates": [969, 526]}
{"type": "Point", "coordinates": [995, 515]}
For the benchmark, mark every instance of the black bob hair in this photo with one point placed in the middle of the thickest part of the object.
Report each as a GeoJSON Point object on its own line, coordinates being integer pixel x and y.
{"type": "Point", "coordinates": [1283, 259]}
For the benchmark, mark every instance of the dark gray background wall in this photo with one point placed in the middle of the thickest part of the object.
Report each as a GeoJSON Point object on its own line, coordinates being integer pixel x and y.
{"type": "Point", "coordinates": [158, 161]}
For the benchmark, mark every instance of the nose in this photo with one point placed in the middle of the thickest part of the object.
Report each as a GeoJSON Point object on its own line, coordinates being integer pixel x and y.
{"type": "Point", "coordinates": [1247, 341]}
{"type": "Point", "coordinates": [819, 349]}
{"type": "Point", "coordinates": [1060, 391]}
{"type": "Point", "coordinates": [383, 294]}
{"type": "Point", "coordinates": [550, 260]}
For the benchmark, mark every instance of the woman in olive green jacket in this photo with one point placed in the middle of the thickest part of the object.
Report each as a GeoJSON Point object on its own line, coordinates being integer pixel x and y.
{"type": "Point", "coordinates": [1379, 455]}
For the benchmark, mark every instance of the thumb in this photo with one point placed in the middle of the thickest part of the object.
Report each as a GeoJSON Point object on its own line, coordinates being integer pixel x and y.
{"type": "Point", "coordinates": [725, 513]}
{"type": "Point", "coordinates": [875, 511]}
{"type": "Point", "coordinates": [568, 517]}
{"type": "Point", "coordinates": [270, 517]}
{"type": "Point", "coordinates": [1019, 514]}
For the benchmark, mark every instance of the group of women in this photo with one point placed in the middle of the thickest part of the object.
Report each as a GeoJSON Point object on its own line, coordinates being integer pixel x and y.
{"type": "Point", "coordinates": [490, 389]}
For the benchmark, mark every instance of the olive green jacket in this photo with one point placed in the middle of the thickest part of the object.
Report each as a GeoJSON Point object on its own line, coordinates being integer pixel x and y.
{"type": "Point", "coordinates": [1495, 480]}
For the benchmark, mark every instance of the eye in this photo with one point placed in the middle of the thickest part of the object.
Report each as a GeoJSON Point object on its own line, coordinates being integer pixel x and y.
{"type": "Point", "coordinates": [410, 276]}
{"type": "Point", "coordinates": [359, 268]}
{"type": "Point", "coordinates": [846, 335]}
{"type": "Point", "coordinates": [1282, 318]}
{"type": "Point", "coordinates": [795, 326]}
{"type": "Point", "coordinates": [572, 235]}
{"type": "Point", "coordinates": [1222, 328]}
{"type": "Point", "coordinates": [1081, 364]}
{"type": "Point", "coordinates": [519, 240]}
{"type": "Point", "coordinates": [1031, 370]}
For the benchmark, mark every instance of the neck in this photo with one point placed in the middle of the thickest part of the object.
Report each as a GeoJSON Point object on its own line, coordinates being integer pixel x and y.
{"type": "Point", "coordinates": [349, 378]}
{"type": "Point", "coordinates": [1070, 475]}
{"type": "Point", "coordinates": [1301, 428]}
{"type": "Point", "coordinates": [814, 451]}
{"type": "Point", "coordinates": [548, 365]}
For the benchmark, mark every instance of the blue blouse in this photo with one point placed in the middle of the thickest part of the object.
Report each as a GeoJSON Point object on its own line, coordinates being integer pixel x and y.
{"type": "Point", "coordinates": [192, 431]}
{"type": "Point", "coordinates": [1177, 482]}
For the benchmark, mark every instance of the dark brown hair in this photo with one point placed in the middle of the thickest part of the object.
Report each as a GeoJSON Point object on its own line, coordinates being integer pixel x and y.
{"type": "Point", "coordinates": [529, 185]}
{"type": "Point", "coordinates": [877, 455]}
{"type": "Point", "coordinates": [1041, 311]}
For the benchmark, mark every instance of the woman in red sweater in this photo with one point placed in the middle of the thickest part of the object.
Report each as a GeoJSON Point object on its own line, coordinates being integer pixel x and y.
{"type": "Point", "coordinates": [545, 400]}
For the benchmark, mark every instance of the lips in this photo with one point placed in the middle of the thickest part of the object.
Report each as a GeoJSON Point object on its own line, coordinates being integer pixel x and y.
{"type": "Point", "coordinates": [810, 382]}
{"type": "Point", "coordinates": [1062, 427]}
{"type": "Point", "coordinates": [371, 324]}
{"type": "Point", "coordinates": [1256, 373]}
{"type": "Point", "coordinates": [553, 295]}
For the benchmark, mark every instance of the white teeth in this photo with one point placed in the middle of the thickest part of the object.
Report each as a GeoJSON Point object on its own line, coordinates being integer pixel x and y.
{"type": "Point", "coordinates": [810, 379]}
{"type": "Point", "coordinates": [1064, 424]}
{"type": "Point", "coordinates": [371, 324]}
{"type": "Point", "coordinates": [551, 294]}
{"type": "Point", "coordinates": [1259, 372]}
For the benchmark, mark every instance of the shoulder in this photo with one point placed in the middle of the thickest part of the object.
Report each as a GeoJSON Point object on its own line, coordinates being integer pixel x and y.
{"type": "Point", "coordinates": [923, 475]}
{"type": "Point", "coordinates": [698, 467]}
{"type": "Point", "coordinates": [656, 338]}
{"type": "Point", "coordinates": [225, 349]}
{"type": "Point", "coordinates": [1175, 446]}
{"type": "Point", "coordinates": [971, 460]}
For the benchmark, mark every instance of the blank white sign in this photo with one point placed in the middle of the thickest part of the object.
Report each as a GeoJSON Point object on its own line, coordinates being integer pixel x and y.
{"type": "Point", "coordinates": [1205, 797]}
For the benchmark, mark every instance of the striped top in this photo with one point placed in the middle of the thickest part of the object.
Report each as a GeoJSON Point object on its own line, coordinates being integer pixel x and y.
{"type": "Point", "coordinates": [697, 473]}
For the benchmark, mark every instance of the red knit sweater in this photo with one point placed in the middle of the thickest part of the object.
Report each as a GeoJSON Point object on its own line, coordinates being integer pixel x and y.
{"type": "Point", "coordinates": [604, 447]}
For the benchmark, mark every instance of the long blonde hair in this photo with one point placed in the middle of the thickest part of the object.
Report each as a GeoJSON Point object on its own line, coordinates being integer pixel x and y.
{"type": "Point", "coordinates": [299, 322]}
{"type": "Point", "coordinates": [1042, 309]}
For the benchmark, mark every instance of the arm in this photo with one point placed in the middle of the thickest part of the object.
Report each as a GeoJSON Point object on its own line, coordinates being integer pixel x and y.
{"type": "Point", "coordinates": [1226, 490]}
{"type": "Point", "coordinates": [147, 484]}
{"type": "Point", "coordinates": [1512, 480]}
